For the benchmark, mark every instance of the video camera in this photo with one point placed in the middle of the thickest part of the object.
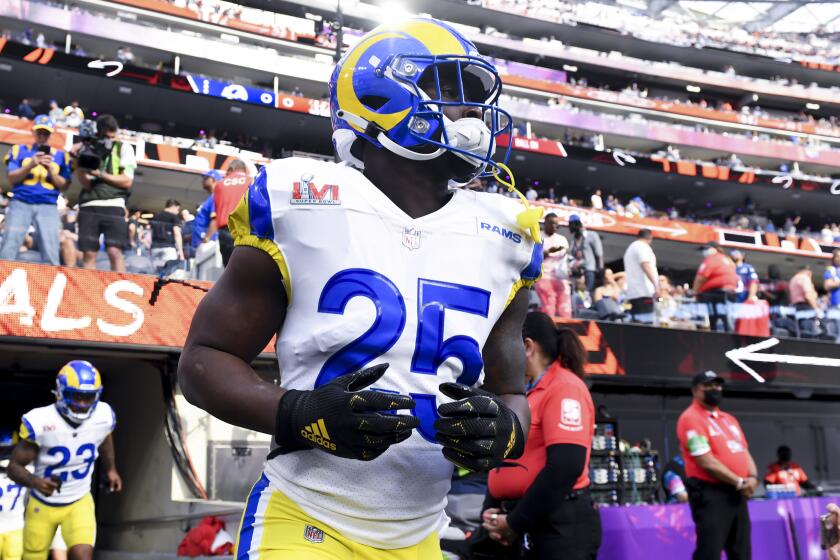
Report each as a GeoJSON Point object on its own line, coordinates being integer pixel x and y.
{"type": "Point", "coordinates": [94, 148]}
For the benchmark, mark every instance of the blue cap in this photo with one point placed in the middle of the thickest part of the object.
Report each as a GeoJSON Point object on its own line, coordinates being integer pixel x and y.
{"type": "Point", "coordinates": [574, 218]}
{"type": "Point", "coordinates": [43, 122]}
{"type": "Point", "coordinates": [215, 174]}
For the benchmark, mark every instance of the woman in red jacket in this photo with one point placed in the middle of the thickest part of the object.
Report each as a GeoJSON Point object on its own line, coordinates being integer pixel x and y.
{"type": "Point", "coordinates": [553, 509]}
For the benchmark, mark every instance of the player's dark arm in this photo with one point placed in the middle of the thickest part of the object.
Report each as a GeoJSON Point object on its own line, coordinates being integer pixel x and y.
{"type": "Point", "coordinates": [109, 464]}
{"type": "Point", "coordinates": [106, 454]}
{"type": "Point", "coordinates": [23, 454]}
{"type": "Point", "coordinates": [504, 359]}
{"type": "Point", "coordinates": [563, 466]}
{"type": "Point", "coordinates": [232, 325]}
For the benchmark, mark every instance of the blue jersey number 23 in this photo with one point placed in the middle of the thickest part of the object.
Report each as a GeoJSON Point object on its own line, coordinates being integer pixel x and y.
{"type": "Point", "coordinates": [431, 350]}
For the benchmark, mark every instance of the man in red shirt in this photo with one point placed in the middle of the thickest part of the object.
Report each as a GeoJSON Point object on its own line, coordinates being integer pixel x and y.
{"type": "Point", "coordinates": [715, 285]}
{"type": "Point", "coordinates": [720, 470]}
{"type": "Point", "coordinates": [785, 471]}
{"type": "Point", "coordinates": [226, 195]}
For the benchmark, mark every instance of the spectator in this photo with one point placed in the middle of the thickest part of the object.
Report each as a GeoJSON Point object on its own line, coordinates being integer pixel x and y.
{"type": "Point", "coordinates": [721, 473]}
{"type": "Point", "coordinates": [586, 252]}
{"type": "Point", "coordinates": [775, 290]}
{"type": "Point", "coordinates": [597, 201]}
{"type": "Point", "coordinates": [69, 236]}
{"type": "Point", "coordinates": [37, 173]}
{"type": "Point", "coordinates": [715, 285]}
{"type": "Point", "coordinates": [56, 113]}
{"type": "Point", "coordinates": [134, 229]}
{"type": "Point", "coordinates": [73, 115]}
{"type": "Point", "coordinates": [831, 280]}
{"type": "Point", "coordinates": [785, 471]}
{"type": "Point", "coordinates": [833, 553]}
{"type": "Point", "coordinates": [167, 240]}
{"type": "Point", "coordinates": [206, 210]}
{"type": "Point", "coordinates": [553, 504]}
{"type": "Point", "coordinates": [226, 194]}
{"type": "Point", "coordinates": [102, 208]}
{"type": "Point", "coordinates": [747, 289]}
{"type": "Point", "coordinates": [531, 193]}
{"type": "Point", "coordinates": [673, 481]}
{"type": "Point", "coordinates": [25, 110]}
{"type": "Point", "coordinates": [581, 298]}
{"type": "Point", "coordinates": [187, 225]}
{"type": "Point", "coordinates": [125, 55]}
{"type": "Point", "coordinates": [553, 288]}
{"type": "Point", "coordinates": [803, 294]}
{"type": "Point", "coordinates": [642, 277]}
{"type": "Point", "coordinates": [606, 298]}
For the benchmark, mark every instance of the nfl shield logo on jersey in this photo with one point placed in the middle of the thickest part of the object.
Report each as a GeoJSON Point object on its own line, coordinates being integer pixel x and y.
{"type": "Point", "coordinates": [307, 192]}
{"type": "Point", "coordinates": [411, 237]}
{"type": "Point", "coordinates": [313, 534]}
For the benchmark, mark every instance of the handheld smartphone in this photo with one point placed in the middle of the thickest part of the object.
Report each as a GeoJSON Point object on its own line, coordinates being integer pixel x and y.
{"type": "Point", "coordinates": [44, 149]}
{"type": "Point", "coordinates": [829, 536]}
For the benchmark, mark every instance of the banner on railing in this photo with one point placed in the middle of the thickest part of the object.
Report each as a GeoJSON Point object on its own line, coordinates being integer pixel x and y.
{"type": "Point", "coordinates": [40, 301]}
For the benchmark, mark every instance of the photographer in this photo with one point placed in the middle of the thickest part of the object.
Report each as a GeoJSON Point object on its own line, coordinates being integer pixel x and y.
{"type": "Point", "coordinates": [106, 172]}
{"type": "Point", "coordinates": [37, 174]}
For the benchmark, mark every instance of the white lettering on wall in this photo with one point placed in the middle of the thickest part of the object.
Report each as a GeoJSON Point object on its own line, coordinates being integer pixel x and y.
{"type": "Point", "coordinates": [50, 321]}
{"type": "Point", "coordinates": [14, 297]}
{"type": "Point", "coordinates": [113, 299]}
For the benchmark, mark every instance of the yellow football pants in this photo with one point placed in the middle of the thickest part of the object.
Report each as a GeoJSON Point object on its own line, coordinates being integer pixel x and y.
{"type": "Point", "coordinates": [11, 545]}
{"type": "Point", "coordinates": [274, 528]}
{"type": "Point", "coordinates": [77, 522]}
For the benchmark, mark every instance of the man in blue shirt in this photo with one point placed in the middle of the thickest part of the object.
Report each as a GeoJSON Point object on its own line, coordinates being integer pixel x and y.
{"type": "Point", "coordinates": [747, 278]}
{"type": "Point", "coordinates": [831, 280]}
{"type": "Point", "coordinates": [37, 173]}
{"type": "Point", "coordinates": [206, 210]}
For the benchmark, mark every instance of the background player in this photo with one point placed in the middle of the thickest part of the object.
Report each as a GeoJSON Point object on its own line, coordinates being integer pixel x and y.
{"type": "Point", "coordinates": [11, 504]}
{"type": "Point", "coordinates": [386, 267]}
{"type": "Point", "coordinates": [64, 439]}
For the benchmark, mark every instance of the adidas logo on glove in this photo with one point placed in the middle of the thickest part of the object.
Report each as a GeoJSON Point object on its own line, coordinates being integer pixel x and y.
{"type": "Point", "coordinates": [317, 433]}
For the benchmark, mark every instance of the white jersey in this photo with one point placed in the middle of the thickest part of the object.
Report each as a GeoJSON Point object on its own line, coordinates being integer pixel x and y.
{"type": "Point", "coordinates": [12, 497]}
{"type": "Point", "coordinates": [368, 284]}
{"type": "Point", "coordinates": [66, 451]}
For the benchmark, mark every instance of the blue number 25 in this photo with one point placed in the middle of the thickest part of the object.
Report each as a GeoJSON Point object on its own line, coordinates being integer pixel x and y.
{"type": "Point", "coordinates": [431, 350]}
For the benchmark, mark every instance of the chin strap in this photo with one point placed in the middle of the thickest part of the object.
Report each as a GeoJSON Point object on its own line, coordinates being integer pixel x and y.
{"type": "Point", "coordinates": [528, 219]}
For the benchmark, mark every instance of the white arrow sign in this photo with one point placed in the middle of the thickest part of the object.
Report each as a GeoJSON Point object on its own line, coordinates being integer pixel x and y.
{"type": "Point", "coordinates": [785, 180]}
{"type": "Point", "coordinates": [675, 232]}
{"type": "Point", "coordinates": [752, 353]}
{"type": "Point", "coordinates": [100, 64]}
{"type": "Point", "coordinates": [622, 159]}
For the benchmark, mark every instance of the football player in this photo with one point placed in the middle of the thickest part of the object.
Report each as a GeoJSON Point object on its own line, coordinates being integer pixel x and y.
{"type": "Point", "coordinates": [64, 440]}
{"type": "Point", "coordinates": [11, 504]}
{"type": "Point", "coordinates": [393, 295]}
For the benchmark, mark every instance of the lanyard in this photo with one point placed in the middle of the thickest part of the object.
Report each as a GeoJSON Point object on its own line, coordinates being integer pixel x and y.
{"type": "Point", "coordinates": [532, 384]}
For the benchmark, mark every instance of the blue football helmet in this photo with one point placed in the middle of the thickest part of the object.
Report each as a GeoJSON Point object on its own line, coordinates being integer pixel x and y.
{"type": "Point", "coordinates": [8, 439]}
{"type": "Point", "coordinates": [391, 89]}
{"type": "Point", "coordinates": [78, 387]}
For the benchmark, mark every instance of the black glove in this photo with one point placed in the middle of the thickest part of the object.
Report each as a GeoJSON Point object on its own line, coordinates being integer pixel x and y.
{"type": "Point", "coordinates": [477, 431]}
{"type": "Point", "coordinates": [342, 419]}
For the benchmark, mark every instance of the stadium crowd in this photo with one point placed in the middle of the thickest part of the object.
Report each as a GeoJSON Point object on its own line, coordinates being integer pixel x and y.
{"type": "Point", "coordinates": [677, 28]}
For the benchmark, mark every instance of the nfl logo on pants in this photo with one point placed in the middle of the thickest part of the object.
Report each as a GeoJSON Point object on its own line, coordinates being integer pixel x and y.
{"type": "Point", "coordinates": [313, 534]}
